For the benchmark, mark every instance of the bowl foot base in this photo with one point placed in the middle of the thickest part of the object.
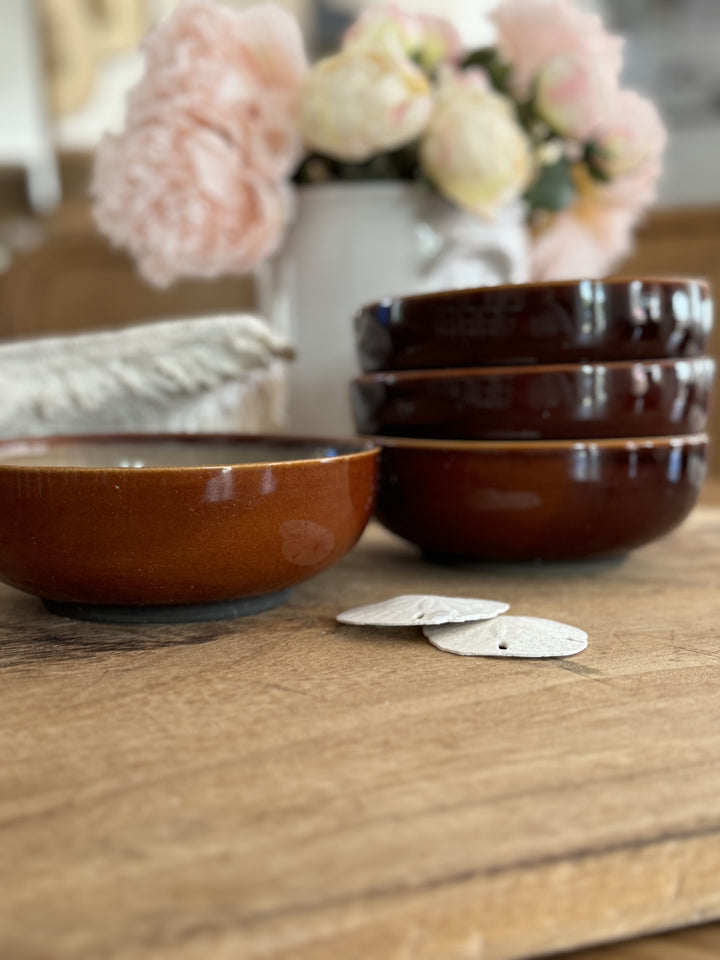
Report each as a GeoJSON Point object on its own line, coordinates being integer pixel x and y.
{"type": "Point", "coordinates": [169, 613]}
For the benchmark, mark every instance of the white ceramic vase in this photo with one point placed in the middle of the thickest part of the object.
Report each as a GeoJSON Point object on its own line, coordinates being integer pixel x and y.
{"type": "Point", "coordinates": [352, 243]}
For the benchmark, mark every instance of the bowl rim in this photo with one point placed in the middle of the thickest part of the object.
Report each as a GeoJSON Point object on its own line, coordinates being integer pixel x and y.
{"type": "Point", "coordinates": [528, 369]}
{"type": "Point", "coordinates": [621, 281]}
{"type": "Point", "coordinates": [359, 448]}
{"type": "Point", "coordinates": [483, 446]}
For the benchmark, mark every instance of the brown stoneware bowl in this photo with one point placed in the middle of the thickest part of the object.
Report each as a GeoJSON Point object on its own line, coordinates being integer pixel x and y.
{"type": "Point", "coordinates": [537, 501]}
{"type": "Point", "coordinates": [162, 528]}
{"type": "Point", "coordinates": [563, 322]}
{"type": "Point", "coordinates": [566, 401]}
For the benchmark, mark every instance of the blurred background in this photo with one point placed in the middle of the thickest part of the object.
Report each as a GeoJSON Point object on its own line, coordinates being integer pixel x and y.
{"type": "Point", "coordinates": [65, 66]}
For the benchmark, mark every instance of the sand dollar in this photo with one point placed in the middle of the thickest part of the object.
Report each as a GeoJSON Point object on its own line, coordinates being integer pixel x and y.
{"type": "Point", "coordinates": [419, 609]}
{"type": "Point", "coordinates": [508, 637]}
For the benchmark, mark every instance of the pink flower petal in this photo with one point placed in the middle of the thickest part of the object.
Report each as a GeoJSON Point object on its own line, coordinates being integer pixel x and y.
{"type": "Point", "coordinates": [181, 200]}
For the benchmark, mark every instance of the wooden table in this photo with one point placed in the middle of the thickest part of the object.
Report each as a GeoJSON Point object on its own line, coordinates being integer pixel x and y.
{"type": "Point", "coordinates": [286, 787]}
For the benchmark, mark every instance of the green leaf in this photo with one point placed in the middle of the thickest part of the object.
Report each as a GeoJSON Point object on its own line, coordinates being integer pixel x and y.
{"type": "Point", "coordinates": [554, 189]}
{"type": "Point", "coordinates": [593, 157]}
{"type": "Point", "coordinates": [493, 64]}
{"type": "Point", "coordinates": [400, 164]}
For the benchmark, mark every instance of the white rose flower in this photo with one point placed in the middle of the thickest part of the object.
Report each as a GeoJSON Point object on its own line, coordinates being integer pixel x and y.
{"type": "Point", "coordinates": [474, 150]}
{"type": "Point", "coordinates": [428, 41]}
{"type": "Point", "coordinates": [362, 101]}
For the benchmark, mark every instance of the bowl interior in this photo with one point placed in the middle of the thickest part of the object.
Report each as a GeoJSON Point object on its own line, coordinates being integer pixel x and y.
{"type": "Point", "coordinates": [168, 452]}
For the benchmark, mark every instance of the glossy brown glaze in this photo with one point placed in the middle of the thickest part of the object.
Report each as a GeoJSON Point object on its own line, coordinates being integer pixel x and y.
{"type": "Point", "coordinates": [565, 322]}
{"type": "Point", "coordinates": [530, 403]}
{"type": "Point", "coordinates": [218, 527]}
{"type": "Point", "coordinates": [544, 501]}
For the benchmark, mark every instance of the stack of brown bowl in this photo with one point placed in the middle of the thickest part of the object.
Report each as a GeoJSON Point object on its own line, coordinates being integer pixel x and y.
{"type": "Point", "coordinates": [538, 421]}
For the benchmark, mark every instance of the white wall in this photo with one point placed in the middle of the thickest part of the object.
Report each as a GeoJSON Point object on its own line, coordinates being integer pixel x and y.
{"type": "Point", "coordinates": [24, 131]}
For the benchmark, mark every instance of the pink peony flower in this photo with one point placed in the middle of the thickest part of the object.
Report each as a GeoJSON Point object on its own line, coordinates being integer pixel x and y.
{"type": "Point", "coordinates": [582, 243]}
{"type": "Point", "coordinates": [596, 231]}
{"type": "Point", "coordinates": [632, 142]}
{"type": "Point", "coordinates": [194, 185]}
{"type": "Point", "coordinates": [263, 42]}
{"type": "Point", "coordinates": [264, 126]}
{"type": "Point", "coordinates": [183, 201]}
{"type": "Point", "coordinates": [239, 72]}
{"type": "Point", "coordinates": [566, 58]}
{"type": "Point", "coordinates": [531, 33]}
{"type": "Point", "coordinates": [573, 95]}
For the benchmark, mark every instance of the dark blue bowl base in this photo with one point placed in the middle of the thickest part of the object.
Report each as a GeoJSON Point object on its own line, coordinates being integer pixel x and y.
{"type": "Point", "coordinates": [170, 613]}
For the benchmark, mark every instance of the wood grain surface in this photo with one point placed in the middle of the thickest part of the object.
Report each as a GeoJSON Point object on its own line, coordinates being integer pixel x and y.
{"type": "Point", "coordinates": [695, 943]}
{"type": "Point", "coordinates": [286, 787]}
